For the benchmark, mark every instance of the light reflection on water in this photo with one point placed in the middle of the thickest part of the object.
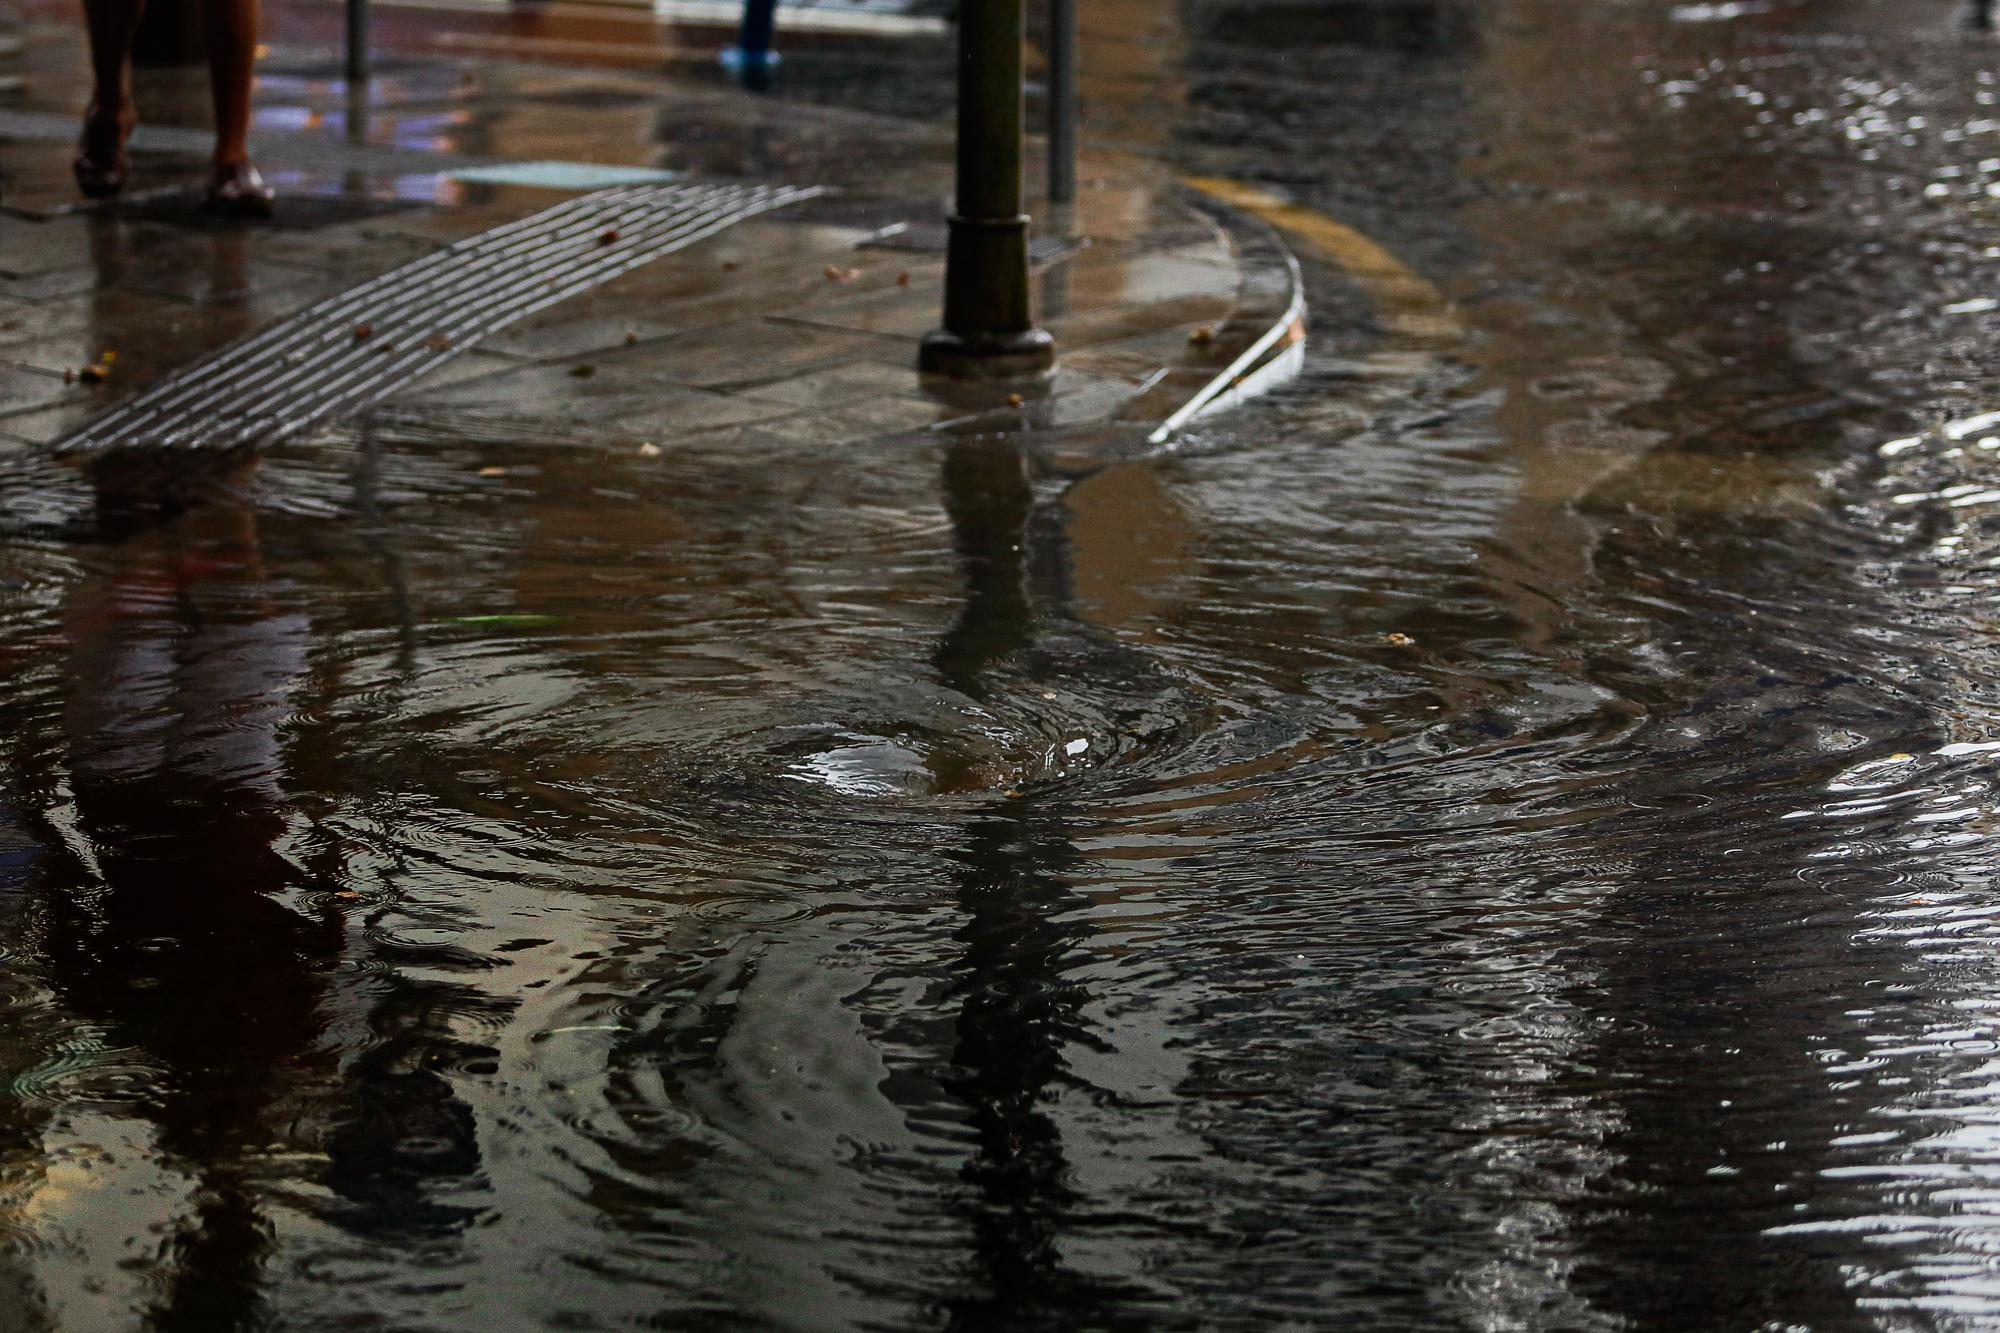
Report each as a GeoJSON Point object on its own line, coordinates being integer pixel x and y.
{"type": "Point", "coordinates": [655, 885]}
{"type": "Point", "coordinates": [1526, 864]}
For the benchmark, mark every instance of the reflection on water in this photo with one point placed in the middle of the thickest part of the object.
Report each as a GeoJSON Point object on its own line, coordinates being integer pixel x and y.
{"type": "Point", "coordinates": [1512, 857]}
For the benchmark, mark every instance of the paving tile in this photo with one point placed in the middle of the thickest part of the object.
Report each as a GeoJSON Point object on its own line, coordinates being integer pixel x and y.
{"type": "Point", "coordinates": [23, 389]}
{"type": "Point", "coordinates": [1089, 327]}
{"type": "Point", "coordinates": [907, 313]}
{"type": "Point", "coordinates": [437, 225]}
{"type": "Point", "coordinates": [1142, 356]}
{"type": "Point", "coordinates": [28, 249]}
{"type": "Point", "coordinates": [1068, 397]}
{"type": "Point", "coordinates": [837, 386]}
{"type": "Point", "coordinates": [857, 421]}
{"type": "Point", "coordinates": [469, 365]}
{"type": "Point", "coordinates": [551, 339]}
{"type": "Point", "coordinates": [49, 286]}
{"type": "Point", "coordinates": [671, 412]}
{"type": "Point", "coordinates": [348, 251]}
{"type": "Point", "coordinates": [633, 405]}
{"type": "Point", "coordinates": [227, 280]}
{"type": "Point", "coordinates": [49, 424]}
{"type": "Point", "coordinates": [22, 321]}
{"type": "Point", "coordinates": [745, 353]}
{"type": "Point", "coordinates": [1150, 277]}
{"type": "Point", "coordinates": [145, 343]}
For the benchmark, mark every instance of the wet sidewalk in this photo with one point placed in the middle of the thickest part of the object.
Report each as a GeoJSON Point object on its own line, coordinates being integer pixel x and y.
{"type": "Point", "coordinates": [800, 325]}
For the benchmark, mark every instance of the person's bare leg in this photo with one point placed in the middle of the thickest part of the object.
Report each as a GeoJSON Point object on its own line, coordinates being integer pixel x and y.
{"type": "Point", "coordinates": [100, 152]}
{"type": "Point", "coordinates": [234, 184]}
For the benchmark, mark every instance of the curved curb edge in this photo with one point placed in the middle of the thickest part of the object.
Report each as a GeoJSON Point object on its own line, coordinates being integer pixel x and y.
{"type": "Point", "coordinates": [1270, 319]}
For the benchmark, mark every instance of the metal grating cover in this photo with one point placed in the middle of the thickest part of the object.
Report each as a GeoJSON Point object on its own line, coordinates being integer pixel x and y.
{"type": "Point", "coordinates": [362, 345]}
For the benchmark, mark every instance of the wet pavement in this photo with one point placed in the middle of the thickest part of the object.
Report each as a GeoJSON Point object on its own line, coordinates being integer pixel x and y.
{"type": "Point", "coordinates": [1493, 835]}
{"type": "Point", "coordinates": [800, 327]}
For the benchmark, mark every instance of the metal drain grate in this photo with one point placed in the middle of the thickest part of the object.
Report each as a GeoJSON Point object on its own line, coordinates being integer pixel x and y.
{"type": "Point", "coordinates": [364, 344]}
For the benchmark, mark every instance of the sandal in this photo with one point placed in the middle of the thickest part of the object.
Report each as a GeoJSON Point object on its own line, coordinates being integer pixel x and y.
{"type": "Point", "coordinates": [238, 191]}
{"type": "Point", "coordinates": [101, 166]}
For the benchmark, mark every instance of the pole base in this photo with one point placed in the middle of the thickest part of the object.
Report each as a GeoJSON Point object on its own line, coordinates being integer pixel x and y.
{"type": "Point", "coordinates": [997, 356]}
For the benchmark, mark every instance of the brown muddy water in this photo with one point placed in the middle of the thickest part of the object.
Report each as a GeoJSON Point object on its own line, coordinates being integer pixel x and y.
{"type": "Point", "coordinates": [1496, 836]}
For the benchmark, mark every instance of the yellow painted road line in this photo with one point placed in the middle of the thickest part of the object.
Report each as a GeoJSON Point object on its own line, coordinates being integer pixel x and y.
{"type": "Point", "coordinates": [1410, 308]}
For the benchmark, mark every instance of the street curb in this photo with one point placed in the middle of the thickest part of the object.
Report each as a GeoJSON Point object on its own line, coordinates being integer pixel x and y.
{"type": "Point", "coordinates": [1417, 324]}
{"type": "Point", "coordinates": [1257, 348]}
{"type": "Point", "coordinates": [1269, 324]}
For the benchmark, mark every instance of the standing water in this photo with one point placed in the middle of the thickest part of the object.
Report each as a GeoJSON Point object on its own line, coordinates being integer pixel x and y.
{"type": "Point", "coordinates": [1494, 837]}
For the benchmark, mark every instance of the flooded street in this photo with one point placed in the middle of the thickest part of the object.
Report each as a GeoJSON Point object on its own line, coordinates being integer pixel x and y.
{"type": "Point", "coordinates": [1494, 835]}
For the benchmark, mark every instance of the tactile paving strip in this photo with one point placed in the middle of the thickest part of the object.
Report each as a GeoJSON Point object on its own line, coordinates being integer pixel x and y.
{"type": "Point", "coordinates": [362, 345]}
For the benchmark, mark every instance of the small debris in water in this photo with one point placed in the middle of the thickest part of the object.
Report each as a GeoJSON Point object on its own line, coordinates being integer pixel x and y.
{"type": "Point", "coordinates": [607, 236]}
{"type": "Point", "coordinates": [835, 273]}
{"type": "Point", "coordinates": [493, 472]}
{"type": "Point", "coordinates": [437, 342]}
{"type": "Point", "coordinates": [96, 373]}
{"type": "Point", "coordinates": [649, 450]}
{"type": "Point", "coordinates": [631, 337]}
{"type": "Point", "coordinates": [582, 372]}
{"type": "Point", "coordinates": [1015, 400]}
{"type": "Point", "coordinates": [1076, 747]}
{"type": "Point", "coordinates": [731, 265]}
{"type": "Point", "coordinates": [902, 279]}
{"type": "Point", "coordinates": [363, 332]}
{"type": "Point", "coordinates": [1202, 336]}
{"type": "Point", "coordinates": [1399, 639]}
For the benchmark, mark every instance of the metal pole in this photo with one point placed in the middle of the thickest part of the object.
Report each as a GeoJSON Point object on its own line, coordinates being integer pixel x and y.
{"type": "Point", "coordinates": [752, 56]}
{"type": "Point", "coordinates": [1062, 101]}
{"type": "Point", "coordinates": [989, 330]}
{"type": "Point", "coordinates": [357, 41]}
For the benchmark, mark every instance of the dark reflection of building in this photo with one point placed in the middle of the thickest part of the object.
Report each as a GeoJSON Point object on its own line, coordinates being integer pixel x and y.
{"type": "Point", "coordinates": [189, 912]}
{"type": "Point", "coordinates": [403, 1134]}
{"type": "Point", "coordinates": [182, 941]}
{"type": "Point", "coordinates": [990, 499]}
{"type": "Point", "coordinates": [1721, 963]}
{"type": "Point", "coordinates": [1019, 1006]}
{"type": "Point", "coordinates": [18, 1290]}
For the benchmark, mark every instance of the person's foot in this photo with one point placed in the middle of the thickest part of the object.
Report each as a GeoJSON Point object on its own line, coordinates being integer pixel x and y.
{"type": "Point", "coordinates": [101, 166]}
{"type": "Point", "coordinates": [237, 191]}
